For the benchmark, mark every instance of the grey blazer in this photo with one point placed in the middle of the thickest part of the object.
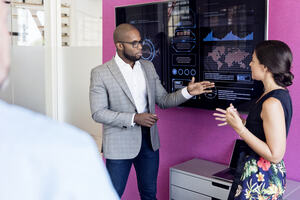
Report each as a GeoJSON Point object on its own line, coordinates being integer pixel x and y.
{"type": "Point", "coordinates": [112, 105]}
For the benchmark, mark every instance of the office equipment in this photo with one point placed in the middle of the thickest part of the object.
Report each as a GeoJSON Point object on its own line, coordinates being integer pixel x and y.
{"type": "Point", "coordinates": [228, 174]}
{"type": "Point", "coordinates": [193, 180]}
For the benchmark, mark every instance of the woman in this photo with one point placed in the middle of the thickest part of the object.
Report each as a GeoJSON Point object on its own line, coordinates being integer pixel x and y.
{"type": "Point", "coordinates": [261, 172]}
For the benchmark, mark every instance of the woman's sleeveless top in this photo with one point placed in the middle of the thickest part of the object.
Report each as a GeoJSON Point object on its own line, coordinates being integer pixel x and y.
{"type": "Point", "coordinates": [254, 122]}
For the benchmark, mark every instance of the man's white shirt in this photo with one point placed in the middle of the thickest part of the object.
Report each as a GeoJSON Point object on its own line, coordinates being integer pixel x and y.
{"type": "Point", "coordinates": [136, 82]}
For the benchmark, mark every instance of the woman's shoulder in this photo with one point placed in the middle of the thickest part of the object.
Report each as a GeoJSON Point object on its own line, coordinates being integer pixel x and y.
{"type": "Point", "coordinates": [271, 104]}
{"type": "Point", "coordinates": [276, 99]}
{"type": "Point", "coordinates": [280, 94]}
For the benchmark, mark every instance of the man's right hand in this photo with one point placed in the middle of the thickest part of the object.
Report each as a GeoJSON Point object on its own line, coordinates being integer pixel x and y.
{"type": "Point", "coordinates": [145, 119]}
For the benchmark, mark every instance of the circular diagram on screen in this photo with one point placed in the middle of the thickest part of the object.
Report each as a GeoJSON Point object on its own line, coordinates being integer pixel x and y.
{"type": "Point", "coordinates": [212, 94]}
{"type": "Point", "coordinates": [149, 51]}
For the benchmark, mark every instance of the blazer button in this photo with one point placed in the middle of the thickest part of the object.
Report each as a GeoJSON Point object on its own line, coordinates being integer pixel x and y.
{"type": "Point", "coordinates": [124, 126]}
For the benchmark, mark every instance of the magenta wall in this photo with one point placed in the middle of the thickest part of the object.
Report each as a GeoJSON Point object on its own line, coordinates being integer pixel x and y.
{"type": "Point", "coordinates": [187, 133]}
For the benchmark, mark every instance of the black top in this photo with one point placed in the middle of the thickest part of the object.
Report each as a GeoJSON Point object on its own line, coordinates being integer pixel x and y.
{"type": "Point", "coordinates": [254, 123]}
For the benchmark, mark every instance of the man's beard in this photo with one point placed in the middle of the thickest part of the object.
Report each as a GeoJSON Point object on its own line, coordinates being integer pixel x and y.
{"type": "Point", "coordinates": [131, 58]}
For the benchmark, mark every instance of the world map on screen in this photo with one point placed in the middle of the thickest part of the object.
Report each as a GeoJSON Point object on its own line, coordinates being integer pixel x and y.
{"type": "Point", "coordinates": [225, 57]}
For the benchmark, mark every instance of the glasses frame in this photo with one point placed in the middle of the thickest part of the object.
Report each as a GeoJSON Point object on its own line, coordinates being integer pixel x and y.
{"type": "Point", "coordinates": [134, 44]}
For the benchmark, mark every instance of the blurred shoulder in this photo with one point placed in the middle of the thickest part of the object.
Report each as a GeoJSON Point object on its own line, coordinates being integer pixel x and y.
{"type": "Point", "coordinates": [33, 128]}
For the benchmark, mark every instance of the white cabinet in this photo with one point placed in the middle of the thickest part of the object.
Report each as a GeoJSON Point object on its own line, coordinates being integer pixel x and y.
{"type": "Point", "coordinates": [180, 193]}
{"type": "Point", "coordinates": [192, 180]}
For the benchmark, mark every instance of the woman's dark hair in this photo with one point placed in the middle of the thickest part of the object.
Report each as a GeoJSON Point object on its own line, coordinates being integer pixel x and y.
{"type": "Point", "coordinates": [277, 57]}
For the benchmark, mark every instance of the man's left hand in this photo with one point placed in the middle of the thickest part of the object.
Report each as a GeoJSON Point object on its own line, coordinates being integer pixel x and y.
{"type": "Point", "coordinates": [199, 87]}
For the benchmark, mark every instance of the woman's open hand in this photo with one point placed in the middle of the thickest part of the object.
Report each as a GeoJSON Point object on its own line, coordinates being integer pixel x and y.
{"type": "Point", "coordinates": [229, 116]}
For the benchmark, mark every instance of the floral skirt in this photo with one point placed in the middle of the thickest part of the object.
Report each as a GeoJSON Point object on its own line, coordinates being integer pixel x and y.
{"type": "Point", "coordinates": [261, 180]}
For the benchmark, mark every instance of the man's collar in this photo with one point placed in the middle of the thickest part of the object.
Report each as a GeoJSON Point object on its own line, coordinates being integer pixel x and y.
{"type": "Point", "coordinates": [121, 62]}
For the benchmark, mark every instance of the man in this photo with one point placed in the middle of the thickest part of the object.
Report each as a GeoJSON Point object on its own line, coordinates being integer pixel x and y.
{"type": "Point", "coordinates": [123, 94]}
{"type": "Point", "coordinates": [42, 159]}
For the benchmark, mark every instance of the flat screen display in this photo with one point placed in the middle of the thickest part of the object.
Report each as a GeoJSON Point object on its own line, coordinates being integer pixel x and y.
{"type": "Point", "coordinates": [149, 20]}
{"type": "Point", "coordinates": [207, 39]}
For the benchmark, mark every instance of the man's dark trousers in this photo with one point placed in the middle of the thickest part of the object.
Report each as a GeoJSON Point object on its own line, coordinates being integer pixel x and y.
{"type": "Point", "coordinates": [146, 166]}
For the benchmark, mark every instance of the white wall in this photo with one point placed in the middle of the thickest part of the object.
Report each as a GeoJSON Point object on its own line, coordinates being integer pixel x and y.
{"type": "Point", "coordinates": [77, 63]}
{"type": "Point", "coordinates": [70, 81]}
{"type": "Point", "coordinates": [27, 78]}
{"type": "Point", "coordinates": [86, 23]}
{"type": "Point", "coordinates": [84, 53]}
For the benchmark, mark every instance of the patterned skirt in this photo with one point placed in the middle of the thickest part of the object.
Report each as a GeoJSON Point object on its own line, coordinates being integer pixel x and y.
{"type": "Point", "coordinates": [261, 180]}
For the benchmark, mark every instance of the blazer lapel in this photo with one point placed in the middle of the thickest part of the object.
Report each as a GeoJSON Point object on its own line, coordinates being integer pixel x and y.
{"type": "Point", "coordinates": [120, 79]}
{"type": "Point", "coordinates": [146, 75]}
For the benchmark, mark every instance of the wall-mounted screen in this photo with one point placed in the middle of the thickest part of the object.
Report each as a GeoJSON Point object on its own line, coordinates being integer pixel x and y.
{"type": "Point", "coordinates": [206, 39]}
{"type": "Point", "coordinates": [150, 20]}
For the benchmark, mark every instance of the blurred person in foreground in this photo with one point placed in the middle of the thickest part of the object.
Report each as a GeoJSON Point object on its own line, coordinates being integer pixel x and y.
{"type": "Point", "coordinates": [261, 172]}
{"type": "Point", "coordinates": [43, 159]}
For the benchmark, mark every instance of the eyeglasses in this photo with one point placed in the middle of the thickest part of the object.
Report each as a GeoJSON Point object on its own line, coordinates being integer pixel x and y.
{"type": "Point", "coordinates": [135, 44]}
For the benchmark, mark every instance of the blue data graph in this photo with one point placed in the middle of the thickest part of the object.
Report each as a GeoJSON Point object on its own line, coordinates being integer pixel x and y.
{"type": "Point", "coordinates": [229, 37]}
